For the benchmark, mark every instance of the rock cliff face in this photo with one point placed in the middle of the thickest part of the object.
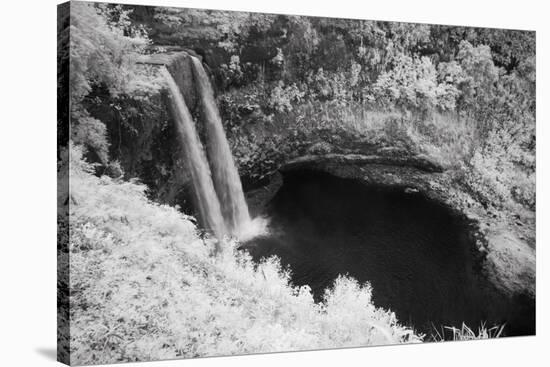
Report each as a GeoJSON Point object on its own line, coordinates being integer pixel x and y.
{"type": "Point", "coordinates": [143, 135]}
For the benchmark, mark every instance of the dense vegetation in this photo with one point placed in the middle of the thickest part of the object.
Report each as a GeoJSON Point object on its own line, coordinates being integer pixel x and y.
{"type": "Point", "coordinates": [286, 86]}
{"type": "Point", "coordinates": [144, 286]}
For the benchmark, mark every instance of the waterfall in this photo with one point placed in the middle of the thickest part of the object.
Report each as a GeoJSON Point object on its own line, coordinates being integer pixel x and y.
{"type": "Point", "coordinates": [207, 201]}
{"type": "Point", "coordinates": [224, 173]}
{"type": "Point", "coordinates": [218, 192]}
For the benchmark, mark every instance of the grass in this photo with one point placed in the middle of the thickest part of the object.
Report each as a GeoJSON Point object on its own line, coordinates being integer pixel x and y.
{"type": "Point", "coordinates": [445, 138]}
{"type": "Point", "coordinates": [465, 333]}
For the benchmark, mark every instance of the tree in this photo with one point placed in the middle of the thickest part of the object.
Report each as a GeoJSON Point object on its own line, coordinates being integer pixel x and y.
{"type": "Point", "coordinates": [479, 75]}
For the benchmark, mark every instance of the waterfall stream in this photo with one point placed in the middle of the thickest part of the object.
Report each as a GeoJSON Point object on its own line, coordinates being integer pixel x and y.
{"type": "Point", "coordinates": [224, 173]}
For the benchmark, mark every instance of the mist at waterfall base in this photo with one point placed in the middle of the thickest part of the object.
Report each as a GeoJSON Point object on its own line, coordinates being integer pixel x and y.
{"type": "Point", "coordinates": [417, 255]}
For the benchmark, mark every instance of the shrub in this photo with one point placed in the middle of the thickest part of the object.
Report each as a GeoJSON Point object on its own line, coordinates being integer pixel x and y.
{"type": "Point", "coordinates": [283, 97]}
{"type": "Point", "coordinates": [496, 175]}
{"type": "Point", "coordinates": [412, 84]}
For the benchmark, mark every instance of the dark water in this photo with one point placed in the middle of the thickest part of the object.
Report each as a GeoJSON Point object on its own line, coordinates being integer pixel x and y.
{"type": "Point", "coordinates": [417, 255]}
